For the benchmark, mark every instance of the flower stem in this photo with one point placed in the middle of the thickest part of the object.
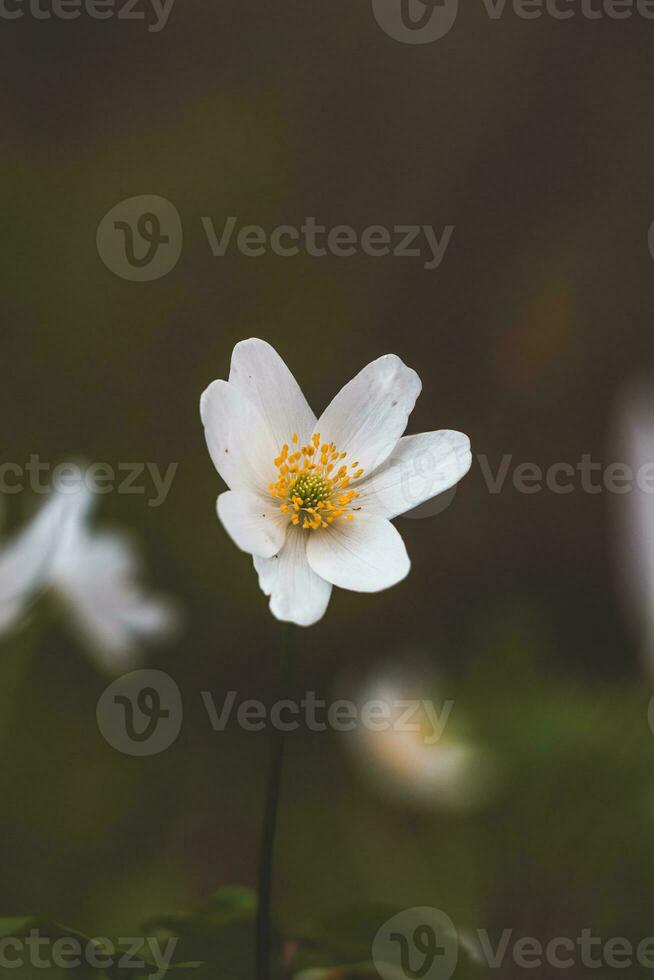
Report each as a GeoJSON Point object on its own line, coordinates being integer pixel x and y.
{"type": "Point", "coordinates": [270, 819]}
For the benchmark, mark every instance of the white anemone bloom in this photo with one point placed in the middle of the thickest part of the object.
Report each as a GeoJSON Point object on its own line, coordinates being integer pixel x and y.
{"type": "Point", "coordinates": [26, 560]}
{"type": "Point", "coordinates": [415, 757]}
{"type": "Point", "coordinates": [634, 442]}
{"type": "Point", "coordinates": [95, 576]}
{"type": "Point", "coordinates": [312, 499]}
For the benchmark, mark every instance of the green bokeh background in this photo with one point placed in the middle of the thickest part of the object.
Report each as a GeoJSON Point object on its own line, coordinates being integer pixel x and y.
{"type": "Point", "coordinates": [532, 138]}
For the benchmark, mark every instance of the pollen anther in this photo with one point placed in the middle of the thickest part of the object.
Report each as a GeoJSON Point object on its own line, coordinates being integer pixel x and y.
{"type": "Point", "coordinates": [308, 485]}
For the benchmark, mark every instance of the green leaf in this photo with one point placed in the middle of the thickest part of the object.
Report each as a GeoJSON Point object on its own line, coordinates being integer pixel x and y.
{"type": "Point", "coordinates": [220, 932]}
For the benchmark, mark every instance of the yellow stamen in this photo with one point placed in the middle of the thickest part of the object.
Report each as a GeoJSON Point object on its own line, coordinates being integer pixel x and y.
{"type": "Point", "coordinates": [309, 484]}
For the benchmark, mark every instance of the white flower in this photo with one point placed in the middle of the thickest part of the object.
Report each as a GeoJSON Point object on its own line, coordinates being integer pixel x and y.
{"type": "Point", "coordinates": [95, 575]}
{"type": "Point", "coordinates": [635, 510]}
{"type": "Point", "coordinates": [415, 757]}
{"type": "Point", "coordinates": [312, 499]}
{"type": "Point", "coordinates": [25, 562]}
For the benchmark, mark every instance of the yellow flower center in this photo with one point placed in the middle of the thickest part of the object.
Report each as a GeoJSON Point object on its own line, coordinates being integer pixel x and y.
{"type": "Point", "coordinates": [312, 484]}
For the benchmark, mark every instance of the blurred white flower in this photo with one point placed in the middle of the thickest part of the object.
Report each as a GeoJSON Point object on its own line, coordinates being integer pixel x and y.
{"type": "Point", "coordinates": [95, 575]}
{"type": "Point", "coordinates": [634, 444]}
{"type": "Point", "coordinates": [25, 562]}
{"type": "Point", "coordinates": [417, 759]}
{"type": "Point", "coordinates": [312, 499]}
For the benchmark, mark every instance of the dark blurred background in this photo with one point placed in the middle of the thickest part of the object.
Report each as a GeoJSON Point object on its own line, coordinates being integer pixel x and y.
{"type": "Point", "coordinates": [532, 139]}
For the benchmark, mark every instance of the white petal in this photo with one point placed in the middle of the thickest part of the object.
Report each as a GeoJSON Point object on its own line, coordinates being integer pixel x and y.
{"type": "Point", "coordinates": [297, 594]}
{"type": "Point", "coordinates": [97, 578]}
{"type": "Point", "coordinates": [635, 510]}
{"type": "Point", "coordinates": [240, 443]}
{"type": "Point", "coordinates": [253, 525]}
{"type": "Point", "coordinates": [370, 413]}
{"type": "Point", "coordinates": [27, 562]}
{"type": "Point", "coordinates": [258, 371]}
{"type": "Point", "coordinates": [10, 614]}
{"type": "Point", "coordinates": [420, 467]}
{"type": "Point", "coordinates": [364, 555]}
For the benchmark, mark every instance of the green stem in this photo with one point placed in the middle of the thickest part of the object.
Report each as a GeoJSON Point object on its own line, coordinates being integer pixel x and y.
{"type": "Point", "coordinates": [270, 820]}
